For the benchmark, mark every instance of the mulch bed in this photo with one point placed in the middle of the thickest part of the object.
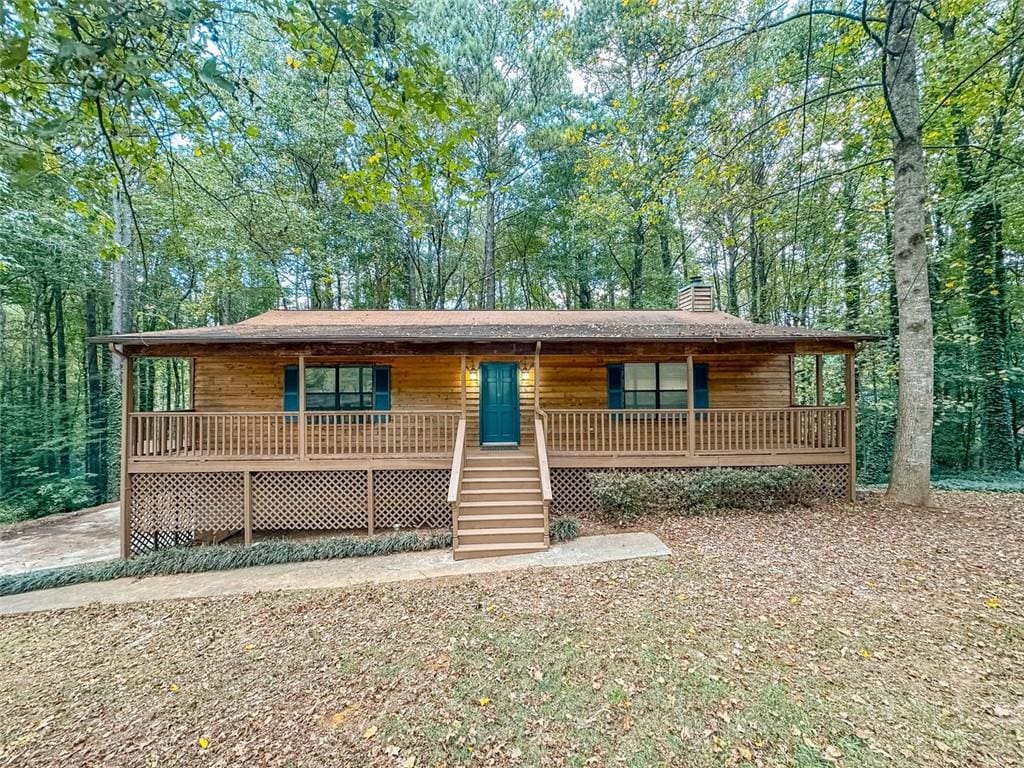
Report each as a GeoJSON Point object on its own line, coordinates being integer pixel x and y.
{"type": "Point", "coordinates": [855, 635]}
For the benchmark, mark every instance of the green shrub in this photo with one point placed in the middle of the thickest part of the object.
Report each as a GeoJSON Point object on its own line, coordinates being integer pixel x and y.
{"type": "Point", "coordinates": [45, 493]}
{"type": "Point", "coordinates": [223, 558]}
{"type": "Point", "coordinates": [625, 497]}
{"type": "Point", "coordinates": [622, 496]}
{"type": "Point", "coordinates": [565, 529]}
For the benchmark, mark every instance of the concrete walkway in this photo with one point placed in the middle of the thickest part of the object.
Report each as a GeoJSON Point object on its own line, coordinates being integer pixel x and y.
{"type": "Point", "coordinates": [50, 542]}
{"type": "Point", "coordinates": [327, 574]}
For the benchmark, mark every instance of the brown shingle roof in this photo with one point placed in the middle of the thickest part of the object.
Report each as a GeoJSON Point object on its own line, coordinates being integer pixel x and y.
{"type": "Point", "coordinates": [278, 326]}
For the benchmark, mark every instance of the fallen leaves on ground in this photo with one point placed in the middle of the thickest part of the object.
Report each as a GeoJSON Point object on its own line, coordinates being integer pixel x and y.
{"type": "Point", "coordinates": [848, 635]}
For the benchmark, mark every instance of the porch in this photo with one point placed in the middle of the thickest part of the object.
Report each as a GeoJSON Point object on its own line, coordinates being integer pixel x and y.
{"type": "Point", "coordinates": [408, 449]}
{"type": "Point", "coordinates": [187, 439]}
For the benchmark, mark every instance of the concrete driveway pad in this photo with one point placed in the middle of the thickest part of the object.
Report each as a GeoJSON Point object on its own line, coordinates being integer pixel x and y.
{"type": "Point", "coordinates": [50, 542]}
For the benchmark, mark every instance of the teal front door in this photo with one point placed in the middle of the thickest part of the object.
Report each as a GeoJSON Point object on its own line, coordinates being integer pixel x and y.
{"type": "Point", "coordinates": [499, 404]}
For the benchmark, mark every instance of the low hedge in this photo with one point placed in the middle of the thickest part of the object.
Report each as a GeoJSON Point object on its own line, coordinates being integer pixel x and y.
{"type": "Point", "coordinates": [625, 497]}
{"type": "Point", "coordinates": [199, 559]}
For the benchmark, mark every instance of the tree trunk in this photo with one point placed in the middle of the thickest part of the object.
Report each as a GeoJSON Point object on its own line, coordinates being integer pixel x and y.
{"type": "Point", "coordinates": [95, 404]}
{"type": "Point", "coordinates": [636, 277]}
{"type": "Point", "coordinates": [910, 482]}
{"type": "Point", "coordinates": [120, 307]}
{"type": "Point", "coordinates": [732, 299]}
{"type": "Point", "coordinates": [490, 243]}
{"type": "Point", "coordinates": [756, 272]}
{"type": "Point", "coordinates": [63, 413]}
{"type": "Point", "coordinates": [851, 262]}
{"type": "Point", "coordinates": [755, 246]}
{"type": "Point", "coordinates": [50, 397]}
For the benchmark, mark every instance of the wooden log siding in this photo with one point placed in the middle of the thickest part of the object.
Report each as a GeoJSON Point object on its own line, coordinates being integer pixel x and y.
{"type": "Point", "coordinates": [238, 403]}
{"type": "Point", "coordinates": [418, 383]}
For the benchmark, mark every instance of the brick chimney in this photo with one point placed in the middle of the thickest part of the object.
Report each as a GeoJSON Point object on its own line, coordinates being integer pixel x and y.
{"type": "Point", "coordinates": [697, 296]}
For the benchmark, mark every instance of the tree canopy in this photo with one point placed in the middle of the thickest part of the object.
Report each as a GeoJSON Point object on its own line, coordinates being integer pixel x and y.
{"type": "Point", "coordinates": [185, 162]}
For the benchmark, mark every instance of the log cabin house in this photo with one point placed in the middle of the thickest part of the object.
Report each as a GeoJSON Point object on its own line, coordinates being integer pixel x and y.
{"type": "Point", "coordinates": [486, 421]}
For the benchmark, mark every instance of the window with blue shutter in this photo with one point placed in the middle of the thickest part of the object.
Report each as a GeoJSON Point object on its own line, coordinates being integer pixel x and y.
{"type": "Point", "coordinates": [655, 386]}
{"type": "Point", "coordinates": [339, 388]}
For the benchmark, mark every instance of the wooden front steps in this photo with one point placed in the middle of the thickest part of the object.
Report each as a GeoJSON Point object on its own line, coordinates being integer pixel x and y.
{"type": "Point", "coordinates": [500, 509]}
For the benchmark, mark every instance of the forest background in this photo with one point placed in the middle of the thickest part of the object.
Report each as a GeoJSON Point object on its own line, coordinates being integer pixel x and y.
{"type": "Point", "coordinates": [169, 163]}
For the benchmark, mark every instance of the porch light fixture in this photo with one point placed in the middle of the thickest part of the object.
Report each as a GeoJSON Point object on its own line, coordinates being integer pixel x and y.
{"type": "Point", "coordinates": [524, 370]}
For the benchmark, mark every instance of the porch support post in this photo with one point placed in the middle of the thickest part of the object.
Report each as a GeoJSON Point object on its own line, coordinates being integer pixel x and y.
{"type": "Point", "coordinates": [302, 408]}
{"type": "Point", "coordinates": [851, 420]}
{"type": "Point", "coordinates": [462, 384]}
{"type": "Point", "coordinates": [247, 506]}
{"type": "Point", "coordinates": [819, 387]}
{"type": "Point", "coordinates": [691, 416]}
{"type": "Point", "coordinates": [127, 401]}
{"type": "Point", "coordinates": [792, 380]}
{"type": "Point", "coordinates": [536, 380]}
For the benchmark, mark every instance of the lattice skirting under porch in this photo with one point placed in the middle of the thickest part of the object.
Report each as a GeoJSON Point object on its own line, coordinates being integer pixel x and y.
{"type": "Point", "coordinates": [570, 486]}
{"type": "Point", "coordinates": [411, 499]}
{"type": "Point", "coordinates": [172, 509]}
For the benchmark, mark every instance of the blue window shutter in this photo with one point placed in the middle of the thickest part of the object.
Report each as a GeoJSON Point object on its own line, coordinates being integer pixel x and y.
{"type": "Point", "coordinates": [382, 388]}
{"type": "Point", "coordinates": [700, 385]}
{"type": "Point", "coordinates": [291, 387]}
{"type": "Point", "coordinates": [615, 384]}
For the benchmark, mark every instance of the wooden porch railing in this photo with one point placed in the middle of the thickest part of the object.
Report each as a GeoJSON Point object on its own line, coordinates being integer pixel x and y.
{"type": "Point", "coordinates": [381, 433]}
{"type": "Point", "coordinates": [276, 435]}
{"type": "Point", "coordinates": [603, 431]}
{"type": "Point", "coordinates": [189, 435]}
{"type": "Point", "coordinates": [775, 430]}
{"type": "Point", "coordinates": [714, 431]}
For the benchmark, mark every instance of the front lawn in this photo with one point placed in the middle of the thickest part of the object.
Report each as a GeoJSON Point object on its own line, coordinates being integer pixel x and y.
{"type": "Point", "coordinates": [849, 636]}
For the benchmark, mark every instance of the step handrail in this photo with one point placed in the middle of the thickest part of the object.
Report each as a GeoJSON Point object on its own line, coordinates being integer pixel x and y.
{"type": "Point", "coordinates": [455, 480]}
{"type": "Point", "coordinates": [545, 476]}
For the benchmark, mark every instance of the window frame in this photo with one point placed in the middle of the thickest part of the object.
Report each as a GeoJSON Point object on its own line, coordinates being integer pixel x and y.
{"type": "Point", "coordinates": [365, 394]}
{"type": "Point", "coordinates": [658, 389]}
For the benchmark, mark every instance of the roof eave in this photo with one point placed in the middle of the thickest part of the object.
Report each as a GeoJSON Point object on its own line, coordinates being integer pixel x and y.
{"type": "Point", "coordinates": [144, 341]}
